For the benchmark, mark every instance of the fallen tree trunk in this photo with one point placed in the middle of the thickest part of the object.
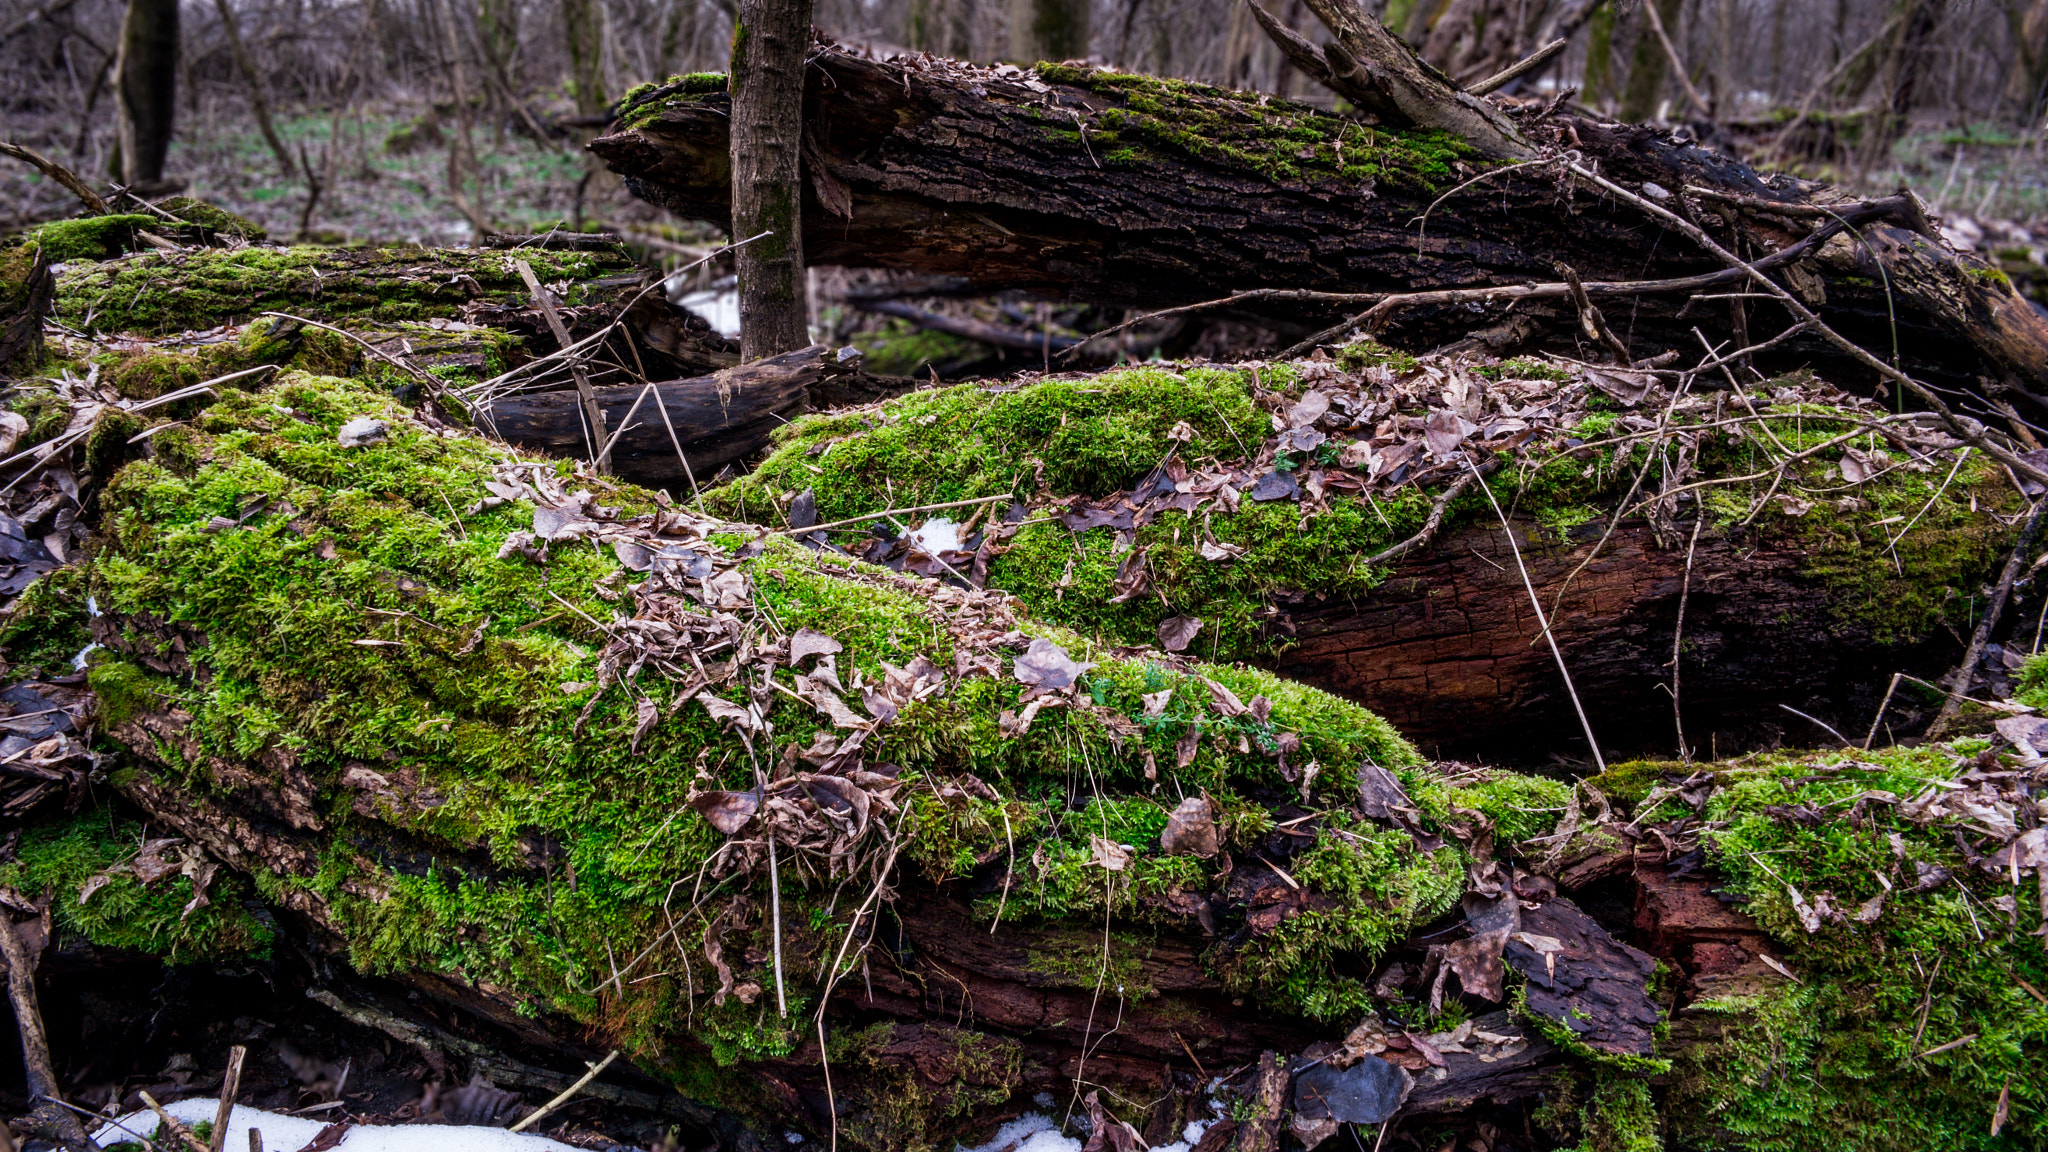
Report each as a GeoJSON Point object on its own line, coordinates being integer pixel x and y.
{"type": "Point", "coordinates": [716, 420]}
{"type": "Point", "coordinates": [1135, 191]}
{"type": "Point", "coordinates": [1351, 550]}
{"type": "Point", "coordinates": [420, 742]}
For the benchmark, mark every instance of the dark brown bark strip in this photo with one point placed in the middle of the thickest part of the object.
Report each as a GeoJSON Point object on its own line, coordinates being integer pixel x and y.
{"type": "Point", "coordinates": [718, 419]}
{"type": "Point", "coordinates": [767, 85]}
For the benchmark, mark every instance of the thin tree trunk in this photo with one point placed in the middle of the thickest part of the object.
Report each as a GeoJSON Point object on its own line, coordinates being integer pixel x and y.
{"type": "Point", "coordinates": [257, 101]}
{"type": "Point", "coordinates": [147, 89]}
{"type": "Point", "coordinates": [1648, 69]}
{"type": "Point", "coordinates": [1048, 30]}
{"type": "Point", "coordinates": [767, 84]}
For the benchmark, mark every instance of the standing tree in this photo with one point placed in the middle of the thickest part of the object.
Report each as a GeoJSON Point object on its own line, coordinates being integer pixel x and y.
{"type": "Point", "coordinates": [769, 39]}
{"type": "Point", "coordinates": [1048, 30]}
{"type": "Point", "coordinates": [146, 71]}
{"type": "Point", "coordinates": [1649, 68]}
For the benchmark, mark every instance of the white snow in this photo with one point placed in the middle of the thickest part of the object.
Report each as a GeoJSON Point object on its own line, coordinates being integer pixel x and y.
{"type": "Point", "coordinates": [1038, 1132]}
{"type": "Point", "coordinates": [937, 534]}
{"type": "Point", "coordinates": [290, 1133]}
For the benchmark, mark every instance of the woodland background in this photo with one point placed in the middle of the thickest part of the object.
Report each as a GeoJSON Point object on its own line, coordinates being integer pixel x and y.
{"type": "Point", "coordinates": [425, 121]}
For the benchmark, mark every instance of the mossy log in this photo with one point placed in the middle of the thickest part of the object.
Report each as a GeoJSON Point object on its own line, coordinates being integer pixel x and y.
{"type": "Point", "coordinates": [418, 742]}
{"type": "Point", "coordinates": [1813, 600]}
{"type": "Point", "coordinates": [1135, 191]}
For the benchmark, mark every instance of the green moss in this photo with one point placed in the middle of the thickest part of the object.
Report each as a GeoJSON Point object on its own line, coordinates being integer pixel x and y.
{"type": "Point", "coordinates": [93, 237]}
{"type": "Point", "coordinates": [59, 857]}
{"type": "Point", "coordinates": [492, 735]}
{"type": "Point", "coordinates": [1280, 139]}
{"type": "Point", "coordinates": [166, 292]}
{"type": "Point", "coordinates": [1836, 1061]}
{"type": "Point", "coordinates": [49, 624]}
{"type": "Point", "coordinates": [1095, 436]}
{"type": "Point", "coordinates": [223, 224]}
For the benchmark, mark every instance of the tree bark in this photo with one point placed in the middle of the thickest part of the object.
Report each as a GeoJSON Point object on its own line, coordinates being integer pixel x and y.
{"type": "Point", "coordinates": [717, 419]}
{"type": "Point", "coordinates": [767, 79]}
{"type": "Point", "coordinates": [971, 174]}
{"type": "Point", "coordinates": [146, 71]}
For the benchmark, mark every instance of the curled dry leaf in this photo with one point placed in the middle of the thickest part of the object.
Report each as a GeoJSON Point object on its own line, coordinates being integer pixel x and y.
{"type": "Point", "coordinates": [1191, 829]}
{"type": "Point", "coordinates": [1108, 854]}
{"type": "Point", "coordinates": [1155, 702]}
{"type": "Point", "coordinates": [1226, 702]}
{"type": "Point", "coordinates": [1177, 632]}
{"type": "Point", "coordinates": [1046, 667]}
{"type": "Point", "coordinates": [1308, 409]}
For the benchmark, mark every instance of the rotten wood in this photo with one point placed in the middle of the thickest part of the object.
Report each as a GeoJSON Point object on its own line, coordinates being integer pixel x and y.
{"type": "Point", "coordinates": [719, 419]}
{"type": "Point", "coordinates": [951, 171]}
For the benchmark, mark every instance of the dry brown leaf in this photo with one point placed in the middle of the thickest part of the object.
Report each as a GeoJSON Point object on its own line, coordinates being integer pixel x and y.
{"type": "Point", "coordinates": [1191, 829]}
{"type": "Point", "coordinates": [1108, 854]}
{"type": "Point", "coordinates": [727, 811]}
{"type": "Point", "coordinates": [1177, 632]}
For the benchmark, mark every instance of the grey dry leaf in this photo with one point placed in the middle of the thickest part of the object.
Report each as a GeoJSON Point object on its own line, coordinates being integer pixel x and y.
{"type": "Point", "coordinates": [1308, 409]}
{"type": "Point", "coordinates": [1181, 432]}
{"type": "Point", "coordinates": [726, 712]}
{"type": "Point", "coordinates": [1177, 632]}
{"type": "Point", "coordinates": [1108, 854]}
{"type": "Point", "coordinates": [1809, 916]}
{"type": "Point", "coordinates": [1155, 702]}
{"type": "Point", "coordinates": [1380, 793]}
{"type": "Point", "coordinates": [1444, 430]}
{"type": "Point", "coordinates": [809, 643]}
{"type": "Point", "coordinates": [1046, 667]}
{"type": "Point", "coordinates": [1357, 454]}
{"type": "Point", "coordinates": [151, 864]}
{"type": "Point", "coordinates": [813, 691]}
{"type": "Point", "coordinates": [1013, 724]}
{"type": "Point", "coordinates": [1546, 946]}
{"type": "Point", "coordinates": [1216, 553]}
{"type": "Point", "coordinates": [1226, 701]}
{"type": "Point", "coordinates": [93, 884]}
{"type": "Point", "coordinates": [1191, 829]}
{"type": "Point", "coordinates": [727, 811]}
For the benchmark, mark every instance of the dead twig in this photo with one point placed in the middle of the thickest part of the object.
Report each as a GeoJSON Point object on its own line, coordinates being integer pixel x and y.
{"type": "Point", "coordinates": [1678, 636]}
{"type": "Point", "coordinates": [230, 1085]}
{"type": "Point", "coordinates": [566, 1094]}
{"type": "Point", "coordinates": [35, 1045]}
{"type": "Point", "coordinates": [171, 1125]}
{"type": "Point", "coordinates": [1966, 673]}
{"type": "Point", "coordinates": [866, 516]}
{"type": "Point", "coordinates": [594, 437]}
{"type": "Point", "coordinates": [1436, 518]}
{"type": "Point", "coordinates": [1677, 65]}
{"type": "Point", "coordinates": [1519, 68]}
{"type": "Point", "coordinates": [94, 206]}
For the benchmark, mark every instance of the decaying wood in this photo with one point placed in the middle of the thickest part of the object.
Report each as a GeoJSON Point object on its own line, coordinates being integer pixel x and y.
{"type": "Point", "coordinates": [954, 171]}
{"type": "Point", "coordinates": [719, 419]}
{"type": "Point", "coordinates": [1445, 647]}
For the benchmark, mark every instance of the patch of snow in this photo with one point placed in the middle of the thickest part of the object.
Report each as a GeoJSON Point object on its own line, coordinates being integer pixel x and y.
{"type": "Point", "coordinates": [720, 307]}
{"type": "Point", "coordinates": [1038, 1132]}
{"type": "Point", "coordinates": [937, 535]}
{"type": "Point", "coordinates": [293, 1132]}
{"type": "Point", "coordinates": [78, 661]}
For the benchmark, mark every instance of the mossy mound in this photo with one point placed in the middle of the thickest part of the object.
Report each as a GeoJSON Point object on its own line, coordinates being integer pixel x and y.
{"type": "Point", "coordinates": [324, 638]}
{"type": "Point", "coordinates": [1098, 435]}
{"type": "Point", "coordinates": [1860, 1053]}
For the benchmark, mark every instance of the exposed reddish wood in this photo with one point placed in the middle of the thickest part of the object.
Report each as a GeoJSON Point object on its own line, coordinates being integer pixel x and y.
{"type": "Point", "coordinates": [1448, 648]}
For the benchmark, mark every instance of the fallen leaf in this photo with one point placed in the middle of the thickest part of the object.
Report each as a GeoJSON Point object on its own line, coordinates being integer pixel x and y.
{"type": "Point", "coordinates": [93, 884]}
{"type": "Point", "coordinates": [1809, 916]}
{"type": "Point", "coordinates": [151, 865]}
{"type": "Point", "coordinates": [809, 643]}
{"type": "Point", "coordinates": [1046, 667]}
{"type": "Point", "coordinates": [1191, 829]}
{"type": "Point", "coordinates": [727, 811]}
{"type": "Point", "coordinates": [1275, 485]}
{"type": "Point", "coordinates": [1226, 701]}
{"type": "Point", "coordinates": [814, 691]}
{"type": "Point", "coordinates": [1155, 702]}
{"type": "Point", "coordinates": [1546, 946]}
{"type": "Point", "coordinates": [1108, 854]}
{"type": "Point", "coordinates": [362, 432]}
{"type": "Point", "coordinates": [1380, 793]}
{"type": "Point", "coordinates": [1308, 409]}
{"type": "Point", "coordinates": [1217, 553]}
{"type": "Point", "coordinates": [726, 712]}
{"type": "Point", "coordinates": [1106, 1133]}
{"type": "Point", "coordinates": [1177, 632]}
